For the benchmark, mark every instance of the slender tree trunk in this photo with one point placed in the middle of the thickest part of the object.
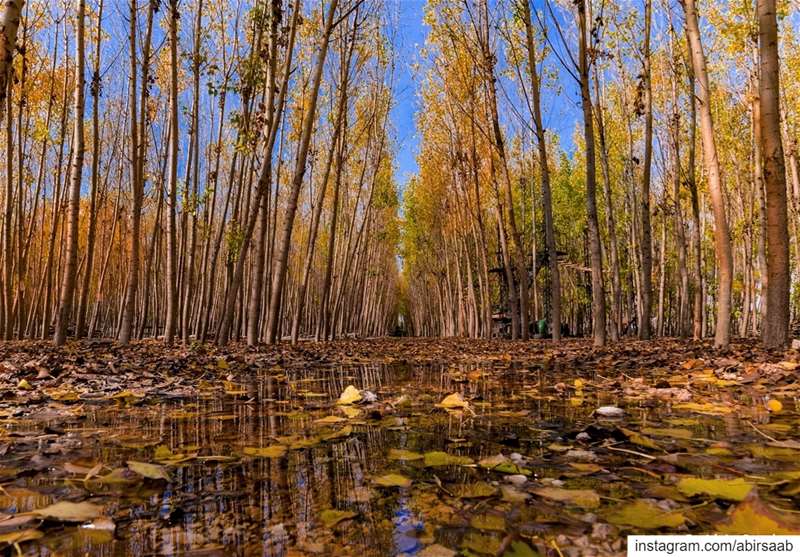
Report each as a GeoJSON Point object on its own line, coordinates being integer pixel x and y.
{"type": "Point", "coordinates": [10, 15]}
{"type": "Point", "coordinates": [71, 270]}
{"type": "Point", "coordinates": [595, 253]}
{"type": "Point", "coordinates": [137, 153]}
{"type": "Point", "coordinates": [547, 198]}
{"type": "Point", "coordinates": [92, 232]}
{"type": "Point", "coordinates": [722, 238]}
{"type": "Point", "coordinates": [172, 180]}
{"type": "Point", "coordinates": [279, 276]}
{"type": "Point", "coordinates": [646, 244]}
{"type": "Point", "coordinates": [776, 321]}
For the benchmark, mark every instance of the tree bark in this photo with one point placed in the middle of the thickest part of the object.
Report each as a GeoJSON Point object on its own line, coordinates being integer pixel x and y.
{"type": "Point", "coordinates": [776, 321]}
{"type": "Point", "coordinates": [547, 198]}
{"type": "Point", "coordinates": [595, 250]}
{"type": "Point", "coordinates": [279, 276]}
{"type": "Point", "coordinates": [71, 269]}
{"type": "Point", "coordinates": [646, 244]}
{"type": "Point", "coordinates": [722, 238]}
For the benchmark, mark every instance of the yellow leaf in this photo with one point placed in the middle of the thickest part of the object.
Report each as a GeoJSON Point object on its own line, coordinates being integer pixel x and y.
{"type": "Point", "coordinates": [402, 454]}
{"type": "Point", "coordinates": [393, 480]}
{"type": "Point", "coordinates": [646, 515]}
{"type": "Point", "coordinates": [439, 458]}
{"type": "Point", "coordinates": [330, 420]}
{"type": "Point", "coordinates": [66, 511]}
{"type": "Point", "coordinates": [639, 439]}
{"type": "Point", "coordinates": [273, 451]}
{"type": "Point", "coordinates": [344, 432]}
{"type": "Point", "coordinates": [332, 517]}
{"type": "Point", "coordinates": [774, 405]}
{"type": "Point", "coordinates": [726, 489]}
{"type": "Point", "coordinates": [350, 395]}
{"type": "Point", "coordinates": [453, 401]}
{"type": "Point", "coordinates": [24, 385]}
{"type": "Point", "coordinates": [151, 471]}
{"type": "Point", "coordinates": [754, 518]}
{"type": "Point", "coordinates": [584, 498]}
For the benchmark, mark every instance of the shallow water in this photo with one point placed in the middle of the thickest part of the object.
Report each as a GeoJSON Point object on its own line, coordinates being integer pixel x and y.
{"type": "Point", "coordinates": [221, 501]}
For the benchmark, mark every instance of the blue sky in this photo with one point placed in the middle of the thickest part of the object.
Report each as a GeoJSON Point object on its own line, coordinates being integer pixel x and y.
{"type": "Point", "coordinates": [560, 110]}
{"type": "Point", "coordinates": [410, 38]}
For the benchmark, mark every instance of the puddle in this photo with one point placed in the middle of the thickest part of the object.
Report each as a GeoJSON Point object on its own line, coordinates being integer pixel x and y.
{"type": "Point", "coordinates": [257, 467]}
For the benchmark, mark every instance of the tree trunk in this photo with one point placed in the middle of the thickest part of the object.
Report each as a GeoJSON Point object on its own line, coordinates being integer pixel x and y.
{"type": "Point", "coordinates": [595, 253]}
{"type": "Point", "coordinates": [279, 277]}
{"type": "Point", "coordinates": [722, 238]}
{"type": "Point", "coordinates": [547, 199]}
{"type": "Point", "coordinates": [172, 180]}
{"type": "Point", "coordinates": [776, 321]}
{"type": "Point", "coordinates": [71, 269]}
{"type": "Point", "coordinates": [9, 23]}
{"type": "Point", "coordinates": [646, 244]}
{"type": "Point", "coordinates": [80, 329]}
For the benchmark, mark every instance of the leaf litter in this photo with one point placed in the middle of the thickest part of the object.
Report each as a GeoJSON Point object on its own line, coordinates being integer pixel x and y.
{"type": "Point", "coordinates": [478, 447]}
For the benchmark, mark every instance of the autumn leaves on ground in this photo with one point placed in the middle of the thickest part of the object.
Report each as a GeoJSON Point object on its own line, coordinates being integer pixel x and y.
{"type": "Point", "coordinates": [393, 447]}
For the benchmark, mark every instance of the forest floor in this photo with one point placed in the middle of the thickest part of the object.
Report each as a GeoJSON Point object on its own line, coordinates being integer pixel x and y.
{"type": "Point", "coordinates": [393, 446]}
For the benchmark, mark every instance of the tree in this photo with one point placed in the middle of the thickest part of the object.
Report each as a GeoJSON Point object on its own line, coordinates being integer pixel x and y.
{"type": "Point", "coordinates": [279, 277]}
{"type": "Point", "coordinates": [547, 202]}
{"type": "Point", "coordinates": [646, 244]}
{"type": "Point", "coordinates": [76, 174]}
{"type": "Point", "coordinates": [10, 15]}
{"type": "Point", "coordinates": [595, 254]}
{"type": "Point", "coordinates": [776, 319]}
{"type": "Point", "coordinates": [172, 179]}
{"type": "Point", "coordinates": [722, 238]}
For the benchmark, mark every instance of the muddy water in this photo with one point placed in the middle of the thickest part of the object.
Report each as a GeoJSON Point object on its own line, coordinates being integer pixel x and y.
{"type": "Point", "coordinates": [222, 501]}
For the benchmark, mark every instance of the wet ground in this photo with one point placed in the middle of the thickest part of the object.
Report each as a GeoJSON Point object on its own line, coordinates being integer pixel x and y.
{"type": "Point", "coordinates": [228, 457]}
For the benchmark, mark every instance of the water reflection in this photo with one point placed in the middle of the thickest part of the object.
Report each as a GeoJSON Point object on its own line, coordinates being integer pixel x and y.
{"type": "Point", "coordinates": [223, 503]}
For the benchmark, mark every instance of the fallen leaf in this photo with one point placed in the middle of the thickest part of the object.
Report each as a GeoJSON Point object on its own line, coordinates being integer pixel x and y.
{"type": "Point", "coordinates": [439, 458]}
{"type": "Point", "coordinates": [402, 454]}
{"type": "Point", "coordinates": [393, 480]}
{"type": "Point", "coordinates": [735, 489]}
{"type": "Point", "coordinates": [644, 514]}
{"type": "Point", "coordinates": [273, 451]}
{"type": "Point", "coordinates": [151, 471]}
{"type": "Point", "coordinates": [66, 511]}
{"type": "Point", "coordinates": [453, 401]}
{"type": "Point", "coordinates": [332, 517]}
{"type": "Point", "coordinates": [753, 517]}
{"type": "Point", "coordinates": [584, 498]}
{"type": "Point", "coordinates": [350, 395]}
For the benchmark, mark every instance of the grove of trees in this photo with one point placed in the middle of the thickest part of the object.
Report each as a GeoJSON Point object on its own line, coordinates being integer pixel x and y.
{"type": "Point", "coordinates": [670, 212]}
{"type": "Point", "coordinates": [215, 171]}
